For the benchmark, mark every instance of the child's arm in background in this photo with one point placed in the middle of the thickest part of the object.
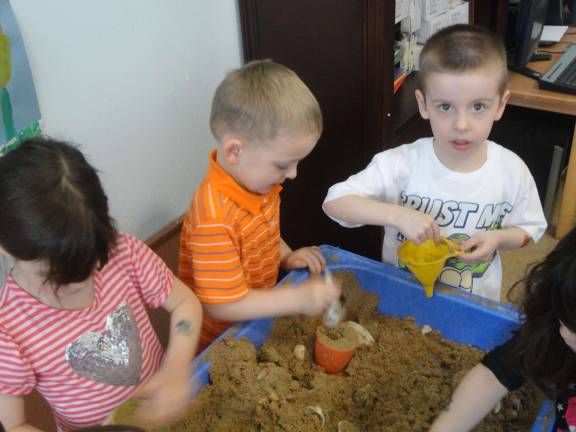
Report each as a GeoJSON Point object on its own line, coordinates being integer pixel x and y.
{"type": "Point", "coordinates": [169, 390]}
{"type": "Point", "coordinates": [358, 210]}
{"type": "Point", "coordinates": [12, 414]}
{"type": "Point", "coordinates": [370, 197]}
{"type": "Point", "coordinates": [486, 242]}
{"type": "Point", "coordinates": [220, 281]}
{"type": "Point", "coordinates": [525, 223]}
{"type": "Point", "coordinates": [311, 297]}
{"type": "Point", "coordinates": [307, 257]}
{"type": "Point", "coordinates": [474, 398]}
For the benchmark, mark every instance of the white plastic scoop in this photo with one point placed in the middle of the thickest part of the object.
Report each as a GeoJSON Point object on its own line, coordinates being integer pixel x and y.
{"type": "Point", "coordinates": [335, 312]}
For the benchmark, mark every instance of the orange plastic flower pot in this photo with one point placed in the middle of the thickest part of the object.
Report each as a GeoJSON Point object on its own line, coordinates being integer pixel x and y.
{"type": "Point", "coordinates": [332, 359]}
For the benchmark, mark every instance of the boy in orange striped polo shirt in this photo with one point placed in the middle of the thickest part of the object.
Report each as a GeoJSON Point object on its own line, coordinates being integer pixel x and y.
{"type": "Point", "coordinates": [265, 120]}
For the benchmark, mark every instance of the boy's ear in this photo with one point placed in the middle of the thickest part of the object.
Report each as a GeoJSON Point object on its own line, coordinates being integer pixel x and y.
{"type": "Point", "coordinates": [503, 101]}
{"type": "Point", "coordinates": [232, 149]}
{"type": "Point", "coordinates": [421, 104]}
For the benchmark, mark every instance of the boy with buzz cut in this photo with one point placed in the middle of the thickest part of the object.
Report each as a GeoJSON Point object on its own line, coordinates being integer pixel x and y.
{"type": "Point", "coordinates": [266, 121]}
{"type": "Point", "coordinates": [457, 184]}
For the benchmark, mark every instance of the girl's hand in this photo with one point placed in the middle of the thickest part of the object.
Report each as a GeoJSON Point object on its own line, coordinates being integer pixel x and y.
{"type": "Point", "coordinates": [165, 396]}
{"type": "Point", "coordinates": [310, 257]}
{"type": "Point", "coordinates": [481, 246]}
{"type": "Point", "coordinates": [417, 227]}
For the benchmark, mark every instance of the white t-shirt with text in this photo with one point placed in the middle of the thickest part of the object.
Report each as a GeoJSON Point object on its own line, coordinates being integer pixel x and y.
{"type": "Point", "coordinates": [502, 193]}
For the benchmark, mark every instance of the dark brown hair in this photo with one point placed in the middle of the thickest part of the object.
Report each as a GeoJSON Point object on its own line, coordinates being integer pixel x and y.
{"type": "Point", "coordinates": [549, 297]}
{"type": "Point", "coordinates": [53, 209]}
{"type": "Point", "coordinates": [460, 48]}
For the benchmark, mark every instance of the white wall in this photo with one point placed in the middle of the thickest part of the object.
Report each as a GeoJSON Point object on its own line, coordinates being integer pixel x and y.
{"type": "Point", "coordinates": [131, 81]}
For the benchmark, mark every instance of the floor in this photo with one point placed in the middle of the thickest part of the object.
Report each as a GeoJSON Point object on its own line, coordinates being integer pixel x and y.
{"type": "Point", "coordinates": [516, 264]}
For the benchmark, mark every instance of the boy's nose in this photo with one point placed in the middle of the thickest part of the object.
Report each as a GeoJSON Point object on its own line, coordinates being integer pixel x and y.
{"type": "Point", "coordinates": [291, 173]}
{"type": "Point", "coordinates": [461, 121]}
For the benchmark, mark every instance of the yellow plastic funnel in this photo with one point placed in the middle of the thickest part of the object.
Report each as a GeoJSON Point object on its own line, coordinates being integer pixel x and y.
{"type": "Point", "coordinates": [426, 260]}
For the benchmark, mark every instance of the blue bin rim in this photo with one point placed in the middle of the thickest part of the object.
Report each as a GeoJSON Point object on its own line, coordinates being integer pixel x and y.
{"type": "Point", "coordinates": [545, 420]}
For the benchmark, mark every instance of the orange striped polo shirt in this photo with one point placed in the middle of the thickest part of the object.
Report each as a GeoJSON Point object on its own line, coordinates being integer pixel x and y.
{"type": "Point", "coordinates": [230, 243]}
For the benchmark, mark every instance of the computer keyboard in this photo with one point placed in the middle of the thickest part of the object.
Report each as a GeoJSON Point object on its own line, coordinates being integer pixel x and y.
{"type": "Point", "coordinates": [562, 74]}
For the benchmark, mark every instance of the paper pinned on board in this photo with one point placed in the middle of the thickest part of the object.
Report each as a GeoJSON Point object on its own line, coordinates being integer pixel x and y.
{"type": "Point", "coordinates": [553, 33]}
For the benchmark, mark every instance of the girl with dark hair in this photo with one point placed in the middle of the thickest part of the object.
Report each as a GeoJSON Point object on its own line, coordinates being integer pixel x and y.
{"type": "Point", "coordinates": [73, 319]}
{"type": "Point", "coordinates": [542, 351]}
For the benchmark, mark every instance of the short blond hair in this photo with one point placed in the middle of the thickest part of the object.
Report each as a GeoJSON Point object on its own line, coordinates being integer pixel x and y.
{"type": "Point", "coordinates": [461, 48]}
{"type": "Point", "coordinates": [262, 99]}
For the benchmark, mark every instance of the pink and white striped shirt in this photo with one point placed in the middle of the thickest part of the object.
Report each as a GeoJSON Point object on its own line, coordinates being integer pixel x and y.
{"type": "Point", "coordinates": [86, 362]}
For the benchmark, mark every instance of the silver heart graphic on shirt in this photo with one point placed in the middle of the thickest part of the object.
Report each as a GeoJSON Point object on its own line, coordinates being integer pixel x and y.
{"type": "Point", "coordinates": [113, 357]}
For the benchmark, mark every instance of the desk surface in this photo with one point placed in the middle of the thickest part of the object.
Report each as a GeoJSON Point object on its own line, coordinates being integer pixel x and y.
{"type": "Point", "coordinates": [524, 91]}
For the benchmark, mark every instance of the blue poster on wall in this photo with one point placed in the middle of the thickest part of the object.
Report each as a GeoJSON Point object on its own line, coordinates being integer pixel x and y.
{"type": "Point", "coordinates": [20, 114]}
